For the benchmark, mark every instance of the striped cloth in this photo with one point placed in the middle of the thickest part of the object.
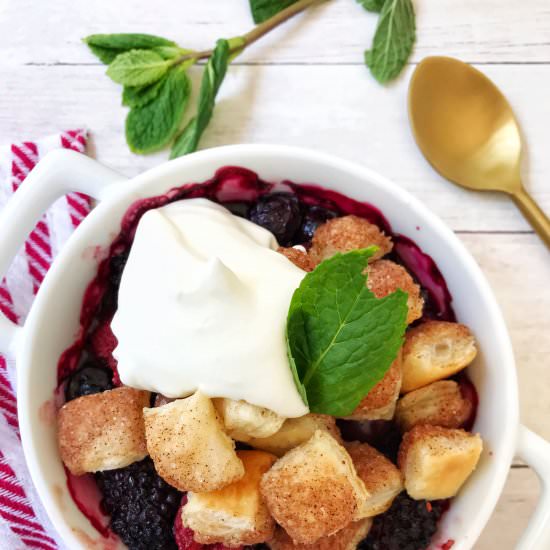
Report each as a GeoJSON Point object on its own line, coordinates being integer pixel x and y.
{"type": "Point", "coordinates": [23, 522]}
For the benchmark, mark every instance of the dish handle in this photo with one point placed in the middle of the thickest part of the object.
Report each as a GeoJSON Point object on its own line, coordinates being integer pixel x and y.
{"type": "Point", "coordinates": [57, 174]}
{"type": "Point", "coordinates": [535, 451]}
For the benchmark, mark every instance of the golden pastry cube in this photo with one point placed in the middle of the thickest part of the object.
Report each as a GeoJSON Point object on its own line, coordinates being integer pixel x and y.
{"type": "Point", "coordinates": [437, 461]}
{"type": "Point", "coordinates": [313, 491]}
{"type": "Point", "coordinates": [243, 421]}
{"type": "Point", "coordinates": [298, 257]}
{"type": "Point", "coordinates": [438, 404]}
{"type": "Point", "coordinates": [345, 234]}
{"type": "Point", "coordinates": [346, 539]}
{"type": "Point", "coordinates": [294, 432]}
{"type": "Point", "coordinates": [235, 515]}
{"type": "Point", "coordinates": [102, 431]}
{"type": "Point", "coordinates": [189, 447]}
{"type": "Point", "coordinates": [380, 475]}
{"type": "Point", "coordinates": [385, 277]}
{"type": "Point", "coordinates": [379, 403]}
{"type": "Point", "coordinates": [435, 350]}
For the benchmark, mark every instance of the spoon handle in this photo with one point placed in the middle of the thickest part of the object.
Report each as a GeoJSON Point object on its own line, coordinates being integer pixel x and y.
{"type": "Point", "coordinates": [534, 214]}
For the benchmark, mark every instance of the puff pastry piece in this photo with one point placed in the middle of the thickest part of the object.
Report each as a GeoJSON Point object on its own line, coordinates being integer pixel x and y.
{"type": "Point", "coordinates": [435, 350]}
{"type": "Point", "coordinates": [188, 446]}
{"type": "Point", "coordinates": [438, 404]}
{"type": "Point", "coordinates": [243, 421]}
{"type": "Point", "coordinates": [385, 277]}
{"type": "Point", "coordinates": [437, 461]}
{"type": "Point", "coordinates": [296, 431]}
{"type": "Point", "coordinates": [298, 257]}
{"type": "Point", "coordinates": [102, 431]}
{"type": "Point", "coordinates": [235, 515]}
{"type": "Point", "coordinates": [346, 539]}
{"type": "Point", "coordinates": [380, 402]}
{"type": "Point", "coordinates": [314, 491]}
{"type": "Point", "coordinates": [381, 477]}
{"type": "Point", "coordinates": [345, 234]}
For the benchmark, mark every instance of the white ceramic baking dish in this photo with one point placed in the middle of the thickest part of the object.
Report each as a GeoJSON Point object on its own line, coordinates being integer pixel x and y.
{"type": "Point", "coordinates": [53, 321]}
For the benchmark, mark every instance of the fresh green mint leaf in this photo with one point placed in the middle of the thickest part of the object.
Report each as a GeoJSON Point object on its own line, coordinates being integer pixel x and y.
{"type": "Point", "coordinates": [341, 338]}
{"type": "Point", "coordinates": [212, 78]}
{"type": "Point", "coordinates": [236, 46]}
{"type": "Point", "coordinates": [393, 40]}
{"type": "Point", "coordinates": [264, 9]}
{"type": "Point", "coordinates": [372, 5]}
{"type": "Point", "coordinates": [170, 52]}
{"type": "Point", "coordinates": [107, 46]}
{"type": "Point", "coordinates": [152, 126]}
{"type": "Point", "coordinates": [138, 96]}
{"type": "Point", "coordinates": [138, 68]}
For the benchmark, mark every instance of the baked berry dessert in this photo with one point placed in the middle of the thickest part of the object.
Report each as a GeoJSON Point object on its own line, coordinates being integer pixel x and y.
{"type": "Point", "coordinates": [266, 366]}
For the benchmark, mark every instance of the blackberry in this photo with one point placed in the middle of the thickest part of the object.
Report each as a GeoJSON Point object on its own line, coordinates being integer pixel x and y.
{"type": "Point", "coordinates": [408, 525]}
{"type": "Point", "coordinates": [141, 504]}
{"type": "Point", "coordinates": [312, 218]}
{"type": "Point", "coordinates": [91, 377]}
{"type": "Point", "coordinates": [278, 213]}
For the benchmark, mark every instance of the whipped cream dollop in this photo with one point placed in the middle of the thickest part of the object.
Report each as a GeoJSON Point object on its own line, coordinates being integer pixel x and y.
{"type": "Point", "coordinates": [202, 305]}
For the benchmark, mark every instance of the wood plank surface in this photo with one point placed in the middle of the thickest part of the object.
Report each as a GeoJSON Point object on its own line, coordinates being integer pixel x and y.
{"type": "Point", "coordinates": [337, 31]}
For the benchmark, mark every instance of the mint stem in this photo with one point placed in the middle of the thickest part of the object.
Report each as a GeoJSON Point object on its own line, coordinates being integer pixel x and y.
{"type": "Point", "coordinates": [257, 32]}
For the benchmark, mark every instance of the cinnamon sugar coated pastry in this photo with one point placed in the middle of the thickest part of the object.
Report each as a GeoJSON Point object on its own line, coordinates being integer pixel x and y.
{"type": "Point", "coordinates": [235, 515]}
{"type": "Point", "coordinates": [345, 234]}
{"type": "Point", "coordinates": [437, 461]}
{"type": "Point", "coordinates": [314, 491]}
{"type": "Point", "coordinates": [243, 421]}
{"type": "Point", "coordinates": [439, 404]}
{"type": "Point", "coordinates": [296, 431]}
{"type": "Point", "coordinates": [435, 350]}
{"type": "Point", "coordinates": [346, 539]}
{"type": "Point", "coordinates": [298, 257]}
{"type": "Point", "coordinates": [379, 403]}
{"type": "Point", "coordinates": [385, 277]}
{"type": "Point", "coordinates": [102, 431]}
{"type": "Point", "coordinates": [381, 477]}
{"type": "Point", "coordinates": [189, 447]}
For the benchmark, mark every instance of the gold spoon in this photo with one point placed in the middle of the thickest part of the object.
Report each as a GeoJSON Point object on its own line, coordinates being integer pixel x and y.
{"type": "Point", "coordinates": [467, 131]}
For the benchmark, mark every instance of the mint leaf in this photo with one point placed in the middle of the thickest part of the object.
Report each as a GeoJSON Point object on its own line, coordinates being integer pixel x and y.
{"type": "Point", "coordinates": [393, 41]}
{"type": "Point", "coordinates": [137, 96]}
{"type": "Point", "coordinates": [107, 46]}
{"type": "Point", "coordinates": [264, 9]}
{"type": "Point", "coordinates": [212, 78]}
{"type": "Point", "coordinates": [372, 5]}
{"type": "Point", "coordinates": [138, 68]}
{"type": "Point", "coordinates": [341, 338]}
{"type": "Point", "coordinates": [153, 125]}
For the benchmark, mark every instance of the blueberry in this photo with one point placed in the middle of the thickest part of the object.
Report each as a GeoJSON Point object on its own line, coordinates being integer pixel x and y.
{"type": "Point", "coordinates": [278, 213]}
{"type": "Point", "coordinates": [143, 512]}
{"type": "Point", "coordinates": [313, 217]}
{"type": "Point", "coordinates": [90, 378]}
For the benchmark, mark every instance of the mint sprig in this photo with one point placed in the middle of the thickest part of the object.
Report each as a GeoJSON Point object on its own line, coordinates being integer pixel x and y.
{"type": "Point", "coordinates": [150, 68]}
{"type": "Point", "coordinates": [393, 40]}
{"type": "Point", "coordinates": [342, 339]}
{"type": "Point", "coordinates": [107, 46]}
{"type": "Point", "coordinates": [262, 10]}
{"type": "Point", "coordinates": [212, 79]}
{"type": "Point", "coordinates": [151, 126]}
{"type": "Point", "coordinates": [372, 5]}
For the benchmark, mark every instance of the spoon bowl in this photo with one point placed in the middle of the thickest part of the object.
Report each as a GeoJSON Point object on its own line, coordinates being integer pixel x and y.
{"type": "Point", "coordinates": [467, 130]}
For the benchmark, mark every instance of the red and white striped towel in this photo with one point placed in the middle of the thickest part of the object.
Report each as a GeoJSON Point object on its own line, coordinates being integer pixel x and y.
{"type": "Point", "coordinates": [23, 522]}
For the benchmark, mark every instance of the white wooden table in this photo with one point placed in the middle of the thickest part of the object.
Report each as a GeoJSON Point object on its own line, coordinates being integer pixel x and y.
{"type": "Point", "coordinates": [305, 84]}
